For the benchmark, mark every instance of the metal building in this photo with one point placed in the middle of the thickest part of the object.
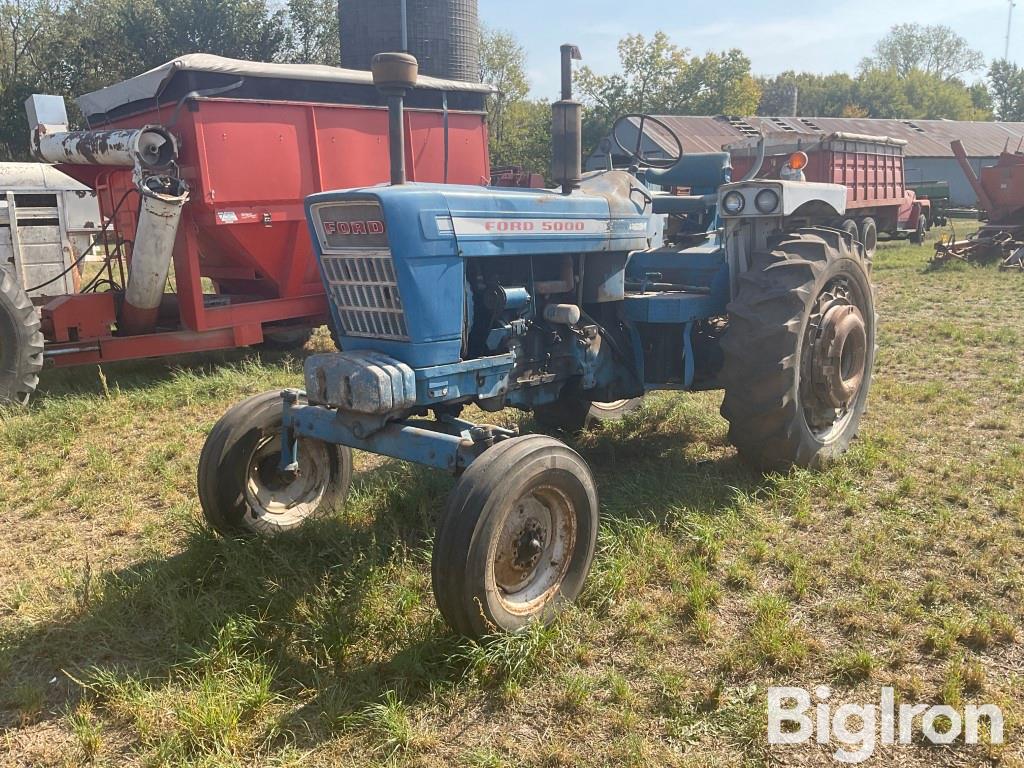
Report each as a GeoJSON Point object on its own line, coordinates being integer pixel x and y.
{"type": "Point", "coordinates": [47, 220]}
{"type": "Point", "coordinates": [928, 155]}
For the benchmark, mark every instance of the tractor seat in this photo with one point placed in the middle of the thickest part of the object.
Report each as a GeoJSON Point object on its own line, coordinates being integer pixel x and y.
{"type": "Point", "coordinates": [703, 173]}
{"type": "Point", "coordinates": [681, 204]}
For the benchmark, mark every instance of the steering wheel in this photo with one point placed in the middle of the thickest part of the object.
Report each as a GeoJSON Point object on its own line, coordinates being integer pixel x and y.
{"type": "Point", "coordinates": [636, 154]}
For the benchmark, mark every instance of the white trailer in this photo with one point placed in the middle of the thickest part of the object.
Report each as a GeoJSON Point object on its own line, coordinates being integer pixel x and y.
{"type": "Point", "coordinates": [47, 221]}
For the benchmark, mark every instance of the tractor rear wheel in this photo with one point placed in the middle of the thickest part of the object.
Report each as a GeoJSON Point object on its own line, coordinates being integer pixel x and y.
{"type": "Point", "coordinates": [242, 489]}
{"type": "Point", "coordinates": [21, 342]}
{"type": "Point", "coordinates": [517, 538]}
{"type": "Point", "coordinates": [574, 414]}
{"type": "Point", "coordinates": [799, 351]}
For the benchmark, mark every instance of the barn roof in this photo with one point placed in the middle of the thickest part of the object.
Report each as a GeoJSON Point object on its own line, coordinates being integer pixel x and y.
{"type": "Point", "coordinates": [925, 138]}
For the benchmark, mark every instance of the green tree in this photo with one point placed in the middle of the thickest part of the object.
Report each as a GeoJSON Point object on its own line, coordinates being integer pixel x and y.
{"type": "Point", "coordinates": [503, 65]}
{"type": "Point", "coordinates": [313, 32]}
{"type": "Point", "coordinates": [933, 49]}
{"type": "Point", "coordinates": [240, 29]}
{"type": "Point", "coordinates": [529, 145]}
{"type": "Point", "coordinates": [1007, 83]}
{"type": "Point", "coordinates": [658, 77]}
{"type": "Point", "coordinates": [68, 47]}
{"type": "Point", "coordinates": [817, 95]}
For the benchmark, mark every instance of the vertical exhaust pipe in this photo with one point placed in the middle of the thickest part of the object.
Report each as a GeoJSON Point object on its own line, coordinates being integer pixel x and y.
{"type": "Point", "coordinates": [163, 198]}
{"type": "Point", "coordinates": [567, 129]}
{"type": "Point", "coordinates": [395, 74]}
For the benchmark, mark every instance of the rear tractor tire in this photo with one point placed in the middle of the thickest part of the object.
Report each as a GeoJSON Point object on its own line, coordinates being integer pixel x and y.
{"type": "Point", "coordinates": [21, 342]}
{"type": "Point", "coordinates": [243, 491]}
{"type": "Point", "coordinates": [574, 414]}
{"type": "Point", "coordinates": [799, 351]}
{"type": "Point", "coordinates": [517, 538]}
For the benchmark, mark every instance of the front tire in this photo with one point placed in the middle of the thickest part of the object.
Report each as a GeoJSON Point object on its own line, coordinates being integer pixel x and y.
{"type": "Point", "coordinates": [241, 488]}
{"type": "Point", "coordinates": [799, 351]}
{"type": "Point", "coordinates": [517, 539]}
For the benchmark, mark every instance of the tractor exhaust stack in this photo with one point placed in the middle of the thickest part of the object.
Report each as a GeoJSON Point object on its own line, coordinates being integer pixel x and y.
{"type": "Point", "coordinates": [395, 74]}
{"type": "Point", "coordinates": [567, 129]}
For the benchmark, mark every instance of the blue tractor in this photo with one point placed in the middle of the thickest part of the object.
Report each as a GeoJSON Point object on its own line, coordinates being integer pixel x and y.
{"type": "Point", "coordinates": [556, 302]}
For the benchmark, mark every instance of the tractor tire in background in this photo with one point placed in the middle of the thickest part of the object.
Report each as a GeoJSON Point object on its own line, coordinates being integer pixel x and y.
{"type": "Point", "coordinates": [21, 342]}
{"type": "Point", "coordinates": [285, 339]}
{"type": "Point", "coordinates": [574, 414]}
{"type": "Point", "coordinates": [917, 237]}
{"type": "Point", "coordinates": [868, 236]}
{"type": "Point", "coordinates": [799, 351]}
{"type": "Point", "coordinates": [242, 490]}
{"type": "Point", "coordinates": [850, 227]}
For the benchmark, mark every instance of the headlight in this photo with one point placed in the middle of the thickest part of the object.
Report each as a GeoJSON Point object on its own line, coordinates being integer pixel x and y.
{"type": "Point", "coordinates": [767, 201]}
{"type": "Point", "coordinates": [733, 203]}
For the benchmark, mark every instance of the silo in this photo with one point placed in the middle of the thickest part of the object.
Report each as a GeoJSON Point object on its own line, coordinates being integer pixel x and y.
{"type": "Point", "coordinates": [443, 34]}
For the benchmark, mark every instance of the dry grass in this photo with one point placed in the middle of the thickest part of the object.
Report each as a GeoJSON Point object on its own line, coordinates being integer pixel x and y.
{"type": "Point", "coordinates": [131, 636]}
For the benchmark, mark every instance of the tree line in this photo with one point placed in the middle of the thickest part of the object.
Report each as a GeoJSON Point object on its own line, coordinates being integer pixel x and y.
{"type": "Point", "coordinates": [70, 47]}
{"type": "Point", "coordinates": [914, 72]}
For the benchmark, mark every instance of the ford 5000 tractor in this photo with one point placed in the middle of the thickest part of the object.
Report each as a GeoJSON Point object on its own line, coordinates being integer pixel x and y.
{"type": "Point", "coordinates": [556, 302]}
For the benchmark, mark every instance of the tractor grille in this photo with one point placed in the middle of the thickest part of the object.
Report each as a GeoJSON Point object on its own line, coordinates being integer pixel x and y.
{"type": "Point", "coordinates": [363, 288]}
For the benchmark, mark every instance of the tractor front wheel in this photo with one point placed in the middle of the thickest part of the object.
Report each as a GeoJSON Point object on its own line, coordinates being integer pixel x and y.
{"type": "Point", "coordinates": [517, 538]}
{"type": "Point", "coordinates": [799, 351]}
{"type": "Point", "coordinates": [242, 488]}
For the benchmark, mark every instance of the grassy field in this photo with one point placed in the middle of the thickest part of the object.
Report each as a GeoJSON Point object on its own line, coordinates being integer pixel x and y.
{"type": "Point", "coordinates": [129, 635]}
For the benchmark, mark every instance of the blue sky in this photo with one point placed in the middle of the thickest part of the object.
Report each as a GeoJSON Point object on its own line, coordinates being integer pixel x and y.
{"type": "Point", "coordinates": [817, 37]}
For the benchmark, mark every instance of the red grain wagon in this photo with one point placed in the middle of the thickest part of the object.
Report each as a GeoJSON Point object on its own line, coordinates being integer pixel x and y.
{"type": "Point", "coordinates": [253, 141]}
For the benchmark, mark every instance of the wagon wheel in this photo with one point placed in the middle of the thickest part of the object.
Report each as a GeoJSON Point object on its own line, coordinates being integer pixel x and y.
{"type": "Point", "coordinates": [21, 342]}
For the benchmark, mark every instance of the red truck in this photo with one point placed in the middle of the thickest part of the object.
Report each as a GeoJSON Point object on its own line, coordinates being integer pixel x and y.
{"type": "Point", "coordinates": [870, 167]}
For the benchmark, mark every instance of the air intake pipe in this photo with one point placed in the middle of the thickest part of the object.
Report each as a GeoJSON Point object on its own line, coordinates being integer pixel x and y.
{"type": "Point", "coordinates": [567, 129]}
{"type": "Point", "coordinates": [395, 74]}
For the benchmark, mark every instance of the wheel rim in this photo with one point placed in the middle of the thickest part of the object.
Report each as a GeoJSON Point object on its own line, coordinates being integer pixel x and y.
{"type": "Point", "coordinates": [834, 363]}
{"type": "Point", "coordinates": [533, 549]}
{"type": "Point", "coordinates": [287, 496]}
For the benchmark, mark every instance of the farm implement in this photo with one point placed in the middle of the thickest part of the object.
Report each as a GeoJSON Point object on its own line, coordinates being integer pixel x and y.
{"type": "Point", "coordinates": [1000, 191]}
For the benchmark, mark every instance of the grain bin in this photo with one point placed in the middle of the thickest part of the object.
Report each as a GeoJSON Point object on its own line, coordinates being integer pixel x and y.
{"type": "Point", "coordinates": [443, 34]}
